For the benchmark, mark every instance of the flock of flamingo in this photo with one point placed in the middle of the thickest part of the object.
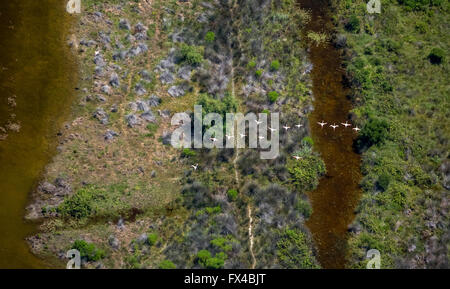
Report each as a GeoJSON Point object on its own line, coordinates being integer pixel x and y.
{"type": "Point", "coordinates": [286, 128]}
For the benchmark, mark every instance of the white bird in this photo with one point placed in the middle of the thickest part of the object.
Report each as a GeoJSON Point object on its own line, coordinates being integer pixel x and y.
{"type": "Point", "coordinates": [322, 123]}
{"type": "Point", "coordinates": [242, 135]}
{"type": "Point", "coordinates": [334, 126]}
{"type": "Point", "coordinates": [194, 167]}
{"type": "Point", "coordinates": [297, 157]}
{"type": "Point", "coordinates": [97, 52]}
{"type": "Point", "coordinates": [258, 122]}
{"type": "Point", "coordinates": [213, 139]}
{"type": "Point", "coordinates": [299, 125]}
{"type": "Point", "coordinates": [286, 127]}
{"type": "Point", "coordinates": [229, 136]}
{"type": "Point", "coordinates": [346, 124]}
{"type": "Point", "coordinates": [356, 129]}
{"type": "Point", "coordinates": [272, 129]}
{"type": "Point", "coordinates": [261, 137]}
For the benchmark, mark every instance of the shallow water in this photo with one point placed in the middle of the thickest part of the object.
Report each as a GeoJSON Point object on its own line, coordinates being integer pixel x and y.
{"type": "Point", "coordinates": [37, 68]}
{"type": "Point", "coordinates": [337, 195]}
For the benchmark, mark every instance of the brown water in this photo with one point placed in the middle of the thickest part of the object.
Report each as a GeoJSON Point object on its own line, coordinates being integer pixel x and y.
{"type": "Point", "coordinates": [36, 67]}
{"type": "Point", "coordinates": [338, 193]}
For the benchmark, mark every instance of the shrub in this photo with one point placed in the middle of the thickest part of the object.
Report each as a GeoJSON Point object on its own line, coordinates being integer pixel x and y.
{"type": "Point", "coordinates": [374, 132]}
{"type": "Point", "coordinates": [308, 140]}
{"type": "Point", "coordinates": [353, 24]}
{"type": "Point", "coordinates": [88, 250]}
{"type": "Point", "coordinates": [273, 96]}
{"type": "Point", "coordinates": [232, 194]}
{"type": "Point", "coordinates": [258, 73]}
{"type": "Point", "coordinates": [188, 153]}
{"type": "Point", "coordinates": [167, 264]}
{"type": "Point", "coordinates": [203, 256]}
{"type": "Point", "coordinates": [436, 55]}
{"type": "Point", "coordinates": [252, 64]}
{"type": "Point", "coordinates": [304, 208]}
{"type": "Point", "coordinates": [383, 181]}
{"type": "Point", "coordinates": [152, 238]}
{"type": "Point", "coordinates": [191, 54]}
{"type": "Point", "coordinates": [79, 205]}
{"type": "Point", "coordinates": [210, 37]}
{"type": "Point", "coordinates": [306, 172]}
{"type": "Point", "coordinates": [293, 250]}
{"type": "Point", "coordinates": [275, 65]}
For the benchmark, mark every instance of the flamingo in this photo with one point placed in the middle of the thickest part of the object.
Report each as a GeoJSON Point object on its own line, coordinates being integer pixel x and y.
{"type": "Point", "coordinates": [242, 135]}
{"type": "Point", "coordinates": [346, 124]}
{"type": "Point", "coordinates": [194, 167]}
{"type": "Point", "coordinates": [299, 125]}
{"type": "Point", "coordinates": [272, 129]}
{"type": "Point", "coordinates": [334, 126]}
{"type": "Point", "coordinates": [297, 157]}
{"type": "Point", "coordinates": [258, 122]}
{"type": "Point", "coordinates": [286, 127]}
{"type": "Point", "coordinates": [213, 139]}
{"type": "Point", "coordinates": [322, 123]}
{"type": "Point", "coordinates": [229, 136]}
{"type": "Point", "coordinates": [260, 137]}
{"type": "Point", "coordinates": [356, 129]}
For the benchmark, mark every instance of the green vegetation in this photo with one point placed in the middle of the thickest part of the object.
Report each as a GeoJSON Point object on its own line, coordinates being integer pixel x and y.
{"type": "Point", "coordinates": [191, 54]}
{"type": "Point", "coordinates": [210, 37]}
{"type": "Point", "coordinates": [207, 261]}
{"type": "Point", "coordinates": [167, 264]}
{"type": "Point", "coordinates": [293, 250]}
{"type": "Point", "coordinates": [273, 96]}
{"type": "Point", "coordinates": [258, 72]}
{"type": "Point", "coordinates": [152, 238]}
{"type": "Point", "coordinates": [399, 73]}
{"type": "Point", "coordinates": [222, 106]}
{"type": "Point", "coordinates": [188, 153]}
{"type": "Point", "coordinates": [252, 64]}
{"type": "Point", "coordinates": [88, 250]}
{"type": "Point", "coordinates": [232, 195]}
{"type": "Point", "coordinates": [275, 65]}
{"type": "Point", "coordinates": [79, 205]}
{"type": "Point", "coordinates": [305, 173]}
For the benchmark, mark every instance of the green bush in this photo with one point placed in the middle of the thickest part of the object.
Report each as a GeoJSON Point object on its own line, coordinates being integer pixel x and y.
{"type": "Point", "coordinates": [308, 141]}
{"type": "Point", "coordinates": [252, 64]}
{"type": "Point", "coordinates": [79, 205]}
{"type": "Point", "coordinates": [293, 250]}
{"type": "Point", "coordinates": [275, 65]}
{"type": "Point", "coordinates": [383, 181]}
{"type": "Point", "coordinates": [305, 172]}
{"type": "Point", "coordinates": [353, 24]}
{"type": "Point", "coordinates": [420, 4]}
{"type": "Point", "coordinates": [88, 250]}
{"type": "Point", "coordinates": [374, 132]}
{"type": "Point", "coordinates": [191, 54]}
{"type": "Point", "coordinates": [205, 259]}
{"type": "Point", "coordinates": [273, 96]}
{"type": "Point", "coordinates": [187, 153]}
{"type": "Point", "coordinates": [258, 73]}
{"type": "Point", "coordinates": [436, 55]}
{"type": "Point", "coordinates": [152, 238]}
{"type": "Point", "coordinates": [232, 194]}
{"type": "Point", "coordinates": [304, 208]}
{"type": "Point", "coordinates": [167, 264]}
{"type": "Point", "coordinates": [210, 37]}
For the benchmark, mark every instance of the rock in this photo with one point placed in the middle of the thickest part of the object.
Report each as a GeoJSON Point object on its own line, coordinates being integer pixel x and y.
{"type": "Point", "coordinates": [98, 71]}
{"type": "Point", "coordinates": [62, 183]}
{"type": "Point", "coordinates": [114, 80]}
{"type": "Point", "coordinates": [177, 91]}
{"type": "Point", "coordinates": [133, 106]}
{"type": "Point", "coordinates": [101, 98]}
{"type": "Point", "coordinates": [114, 242]}
{"type": "Point", "coordinates": [139, 89]}
{"type": "Point", "coordinates": [153, 174]}
{"type": "Point", "coordinates": [98, 14]}
{"type": "Point", "coordinates": [99, 61]}
{"type": "Point", "coordinates": [110, 134]}
{"type": "Point", "coordinates": [121, 224]}
{"type": "Point", "coordinates": [167, 64]}
{"type": "Point", "coordinates": [132, 120]}
{"type": "Point", "coordinates": [140, 28]}
{"type": "Point", "coordinates": [148, 116]}
{"type": "Point", "coordinates": [185, 72]}
{"type": "Point", "coordinates": [142, 105]}
{"type": "Point", "coordinates": [145, 75]}
{"type": "Point", "coordinates": [101, 115]}
{"type": "Point", "coordinates": [106, 89]}
{"type": "Point", "coordinates": [121, 55]}
{"type": "Point", "coordinates": [114, 108]}
{"type": "Point", "coordinates": [142, 239]}
{"type": "Point", "coordinates": [124, 24]}
{"type": "Point", "coordinates": [143, 47]}
{"type": "Point", "coordinates": [130, 38]}
{"type": "Point", "coordinates": [104, 38]}
{"type": "Point", "coordinates": [166, 77]}
{"type": "Point", "coordinates": [47, 188]}
{"type": "Point", "coordinates": [412, 248]}
{"type": "Point", "coordinates": [153, 101]}
{"type": "Point", "coordinates": [203, 18]}
{"type": "Point", "coordinates": [88, 43]}
{"type": "Point", "coordinates": [141, 36]}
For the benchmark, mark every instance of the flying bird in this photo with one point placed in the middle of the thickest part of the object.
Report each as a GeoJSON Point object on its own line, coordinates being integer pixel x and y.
{"type": "Point", "coordinates": [356, 129]}
{"type": "Point", "coordinates": [334, 126]}
{"type": "Point", "coordinates": [242, 135]}
{"type": "Point", "coordinates": [229, 136]}
{"type": "Point", "coordinates": [297, 157]}
{"type": "Point", "coordinates": [258, 122]}
{"type": "Point", "coordinates": [194, 167]}
{"type": "Point", "coordinates": [346, 124]}
{"type": "Point", "coordinates": [286, 127]}
{"type": "Point", "coordinates": [299, 125]}
{"type": "Point", "coordinates": [272, 129]}
{"type": "Point", "coordinates": [322, 123]}
{"type": "Point", "coordinates": [261, 137]}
